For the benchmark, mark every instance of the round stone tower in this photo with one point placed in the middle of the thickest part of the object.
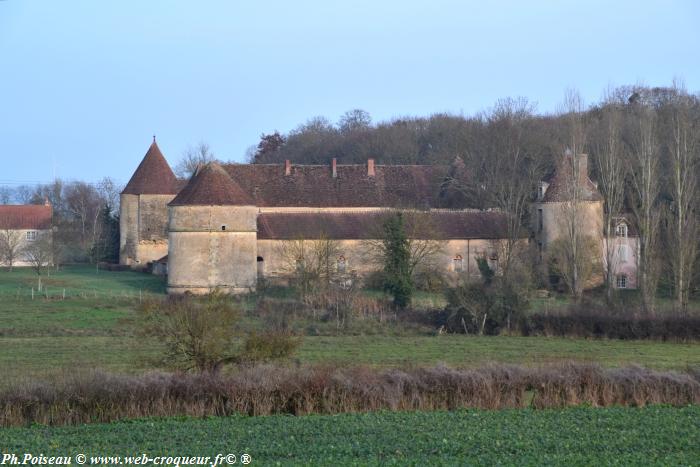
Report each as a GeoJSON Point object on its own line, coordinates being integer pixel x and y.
{"type": "Point", "coordinates": [212, 240]}
{"type": "Point", "coordinates": [569, 196]}
{"type": "Point", "coordinates": [143, 215]}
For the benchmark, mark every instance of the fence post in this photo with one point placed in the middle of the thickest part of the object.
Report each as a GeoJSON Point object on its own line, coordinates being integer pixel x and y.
{"type": "Point", "coordinates": [32, 293]}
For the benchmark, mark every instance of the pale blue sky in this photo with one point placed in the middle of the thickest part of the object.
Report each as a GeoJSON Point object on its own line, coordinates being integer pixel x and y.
{"type": "Point", "coordinates": [84, 84]}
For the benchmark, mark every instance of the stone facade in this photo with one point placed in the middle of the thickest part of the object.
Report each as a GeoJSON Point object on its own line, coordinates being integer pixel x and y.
{"type": "Point", "coordinates": [228, 225]}
{"type": "Point", "coordinates": [144, 229]}
{"type": "Point", "coordinates": [212, 247]}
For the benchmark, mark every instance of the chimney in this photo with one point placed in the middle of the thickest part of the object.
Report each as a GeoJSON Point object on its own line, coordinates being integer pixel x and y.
{"type": "Point", "coordinates": [287, 167]}
{"type": "Point", "coordinates": [582, 162]}
{"type": "Point", "coordinates": [335, 170]}
{"type": "Point", "coordinates": [370, 167]}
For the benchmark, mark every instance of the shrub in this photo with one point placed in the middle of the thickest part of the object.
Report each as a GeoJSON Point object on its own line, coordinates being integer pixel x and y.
{"type": "Point", "coordinates": [265, 390]}
{"type": "Point", "coordinates": [203, 334]}
{"type": "Point", "coordinates": [268, 346]}
{"type": "Point", "coordinates": [429, 279]}
{"type": "Point", "coordinates": [597, 324]}
{"type": "Point", "coordinates": [486, 308]}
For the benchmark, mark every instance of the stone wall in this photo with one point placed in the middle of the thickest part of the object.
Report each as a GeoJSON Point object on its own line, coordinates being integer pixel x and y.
{"type": "Point", "coordinates": [128, 229]}
{"type": "Point", "coordinates": [212, 247]}
{"type": "Point", "coordinates": [143, 228]}
{"type": "Point", "coordinates": [589, 218]}
{"type": "Point", "coordinates": [277, 263]}
{"type": "Point", "coordinates": [554, 218]}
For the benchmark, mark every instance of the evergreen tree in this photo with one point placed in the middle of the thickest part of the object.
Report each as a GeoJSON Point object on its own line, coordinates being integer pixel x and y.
{"type": "Point", "coordinates": [397, 261]}
{"type": "Point", "coordinates": [107, 246]}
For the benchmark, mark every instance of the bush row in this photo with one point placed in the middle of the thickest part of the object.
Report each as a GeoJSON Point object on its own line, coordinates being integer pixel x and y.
{"type": "Point", "coordinates": [598, 324]}
{"type": "Point", "coordinates": [264, 390]}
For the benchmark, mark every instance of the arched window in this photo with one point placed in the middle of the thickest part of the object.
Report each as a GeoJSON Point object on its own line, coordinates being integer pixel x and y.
{"type": "Point", "coordinates": [261, 266]}
{"type": "Point", "coordinates": [458, 263]}
{"type": "Point", "coordinates": [621, 230]}
{"type": "Point", "coordinates": [341, 264]}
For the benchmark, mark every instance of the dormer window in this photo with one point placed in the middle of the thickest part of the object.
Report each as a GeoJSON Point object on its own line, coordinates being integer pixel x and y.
{"type": "Point", "coordinates": [621, 230]}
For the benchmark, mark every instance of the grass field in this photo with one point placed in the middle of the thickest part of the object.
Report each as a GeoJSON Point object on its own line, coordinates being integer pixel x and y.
{"type": "Point", "coordinates": [578, 436]}
{"type": "Point", "coordinates": [37, 356]}
{"type": "Point", "coordinates": [94, 327]}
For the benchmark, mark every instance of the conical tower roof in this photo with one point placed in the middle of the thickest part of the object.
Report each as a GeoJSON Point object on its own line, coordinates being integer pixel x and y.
{"type": "Point", "coordinates": [211, 185]}
{"type": "Point", "coordinates": [561, 184]}
{"type": "Point", "coordinates": [153, 175]}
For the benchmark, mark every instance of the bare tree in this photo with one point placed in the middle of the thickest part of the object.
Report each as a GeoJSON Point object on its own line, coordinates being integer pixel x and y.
{"type": "Point", "coordinates": [192, 158]}
{"type": "Point", "coordinates": [6, 195]}
{"type": "Point", "coordinates": [39, 253]}
{"type": "Point", "coordinates": [684, 228]}
{"type": "Point", "coordinates": [109, 191]}
{"type": "Point", "coordinates": [574, 257]}
{"type": "Point", "coordinates": [23, 194]}
{"type": "Point", "coordinates": [313, 263]}
{"type": "Point", "coordinates": [10, 246]}
{"type": "Point", "coordinates": [84, 204]}
{"type": "Point", "coordinates": [354, 120]}
{"type": "Point", "coordinates": [607, 147]}
{"type": "Point", "coordinates": [511, 169]}
{"type": "Point", "coordinates": [644, 193]}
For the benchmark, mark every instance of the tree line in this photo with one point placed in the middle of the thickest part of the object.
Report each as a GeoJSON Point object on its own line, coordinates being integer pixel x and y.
{"type": "Point", "coordinates": [644, 147]}
{"type": "Point", "coordinates": [85, 220]}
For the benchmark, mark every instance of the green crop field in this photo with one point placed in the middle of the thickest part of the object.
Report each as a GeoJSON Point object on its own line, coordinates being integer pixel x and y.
{"type": "Point", "coordinates": [575, 436]}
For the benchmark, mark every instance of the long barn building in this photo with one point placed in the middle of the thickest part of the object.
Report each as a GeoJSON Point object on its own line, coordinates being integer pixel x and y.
{"type": "Point", "coordinates": [230, 225]}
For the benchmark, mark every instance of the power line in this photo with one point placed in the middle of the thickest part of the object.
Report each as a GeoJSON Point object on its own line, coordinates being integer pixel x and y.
{"type": "Point", "coordinates": [44, 182]}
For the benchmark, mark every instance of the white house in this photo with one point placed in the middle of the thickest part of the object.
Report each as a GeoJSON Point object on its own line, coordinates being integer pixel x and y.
{"type": "Point", "coordinates": [20, 225]}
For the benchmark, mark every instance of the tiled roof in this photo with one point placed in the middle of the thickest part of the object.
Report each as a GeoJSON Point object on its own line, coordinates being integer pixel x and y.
{"type": "Point", "coordinates": [560, 188]}
{"type": "Point", "coordinates": [411, 186]}
{"type": "Point", "coordinates": [444, 225]}
{"type": "Point", "coordinates": [153, 175]}
{"type": "Point", "coordinates": [25, 217]}
{"type": "Point", "coordinates": [211, 185]}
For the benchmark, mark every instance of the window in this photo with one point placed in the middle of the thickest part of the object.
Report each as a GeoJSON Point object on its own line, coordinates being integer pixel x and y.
{"type": "Point", "coordinates": [540, 191]}
{"type": "Point", "coordinates": [493, 255]}
{"type": "Point", "coordinates": [458, 263]}
{"type": "Point", "coordinates": [223, 227]}
{"type": "Point", "coordinates": [341, 264]}
{"type": "Point", "coordinates": [621, 230]}
{"type": "Point", "coordinates": [621, 281]}
{"type": "Point", "coordinates": [622, 253]}
{"type": "Point", "coordinates": [540, 221]}
{"type": "Point", "coordinates": [31, 235]}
